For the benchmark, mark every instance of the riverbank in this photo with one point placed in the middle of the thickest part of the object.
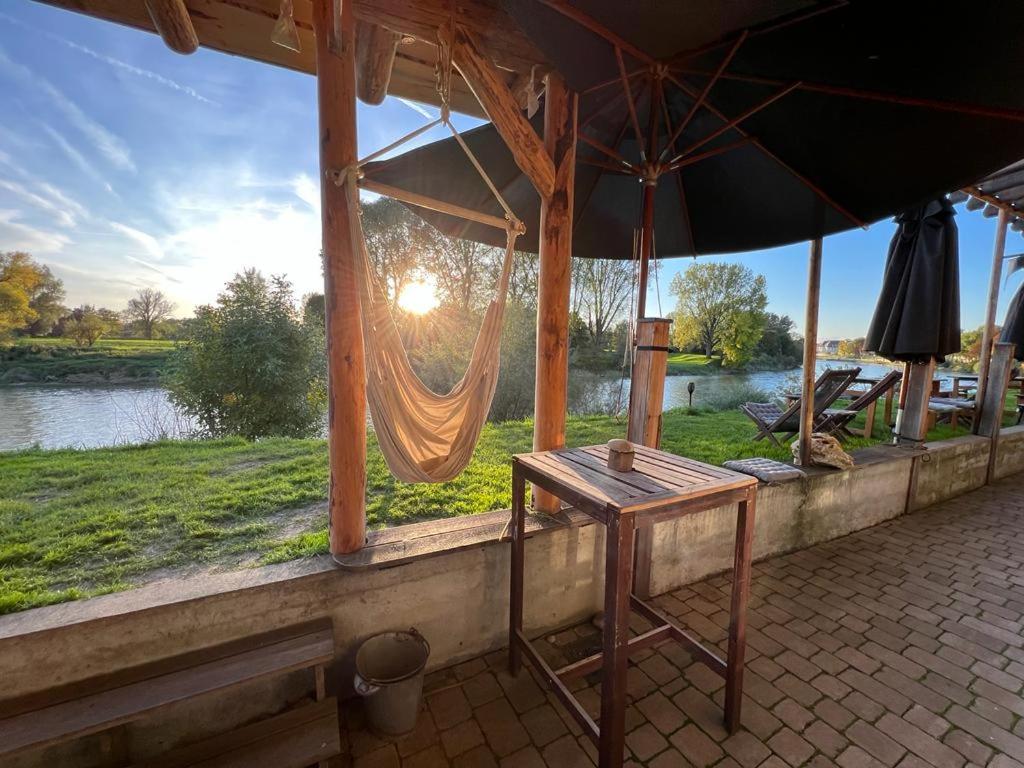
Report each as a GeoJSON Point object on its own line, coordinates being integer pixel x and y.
{"type": "Point", "coordinates": [77, 523]}
{"type": "Point", "coordinates": [47, 361]}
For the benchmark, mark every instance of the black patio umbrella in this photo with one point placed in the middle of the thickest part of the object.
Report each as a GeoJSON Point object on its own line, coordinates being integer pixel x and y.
{"type": "Point", "coordinates": [754, 124]}
{"type": "Point", "coordinates": [1013, 325]}
{"type": "Point", "coordinates": [918, 313]}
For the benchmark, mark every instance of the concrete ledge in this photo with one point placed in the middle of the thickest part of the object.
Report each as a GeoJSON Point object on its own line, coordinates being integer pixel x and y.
{"type": "Point", "coordinates": [1010, 452]}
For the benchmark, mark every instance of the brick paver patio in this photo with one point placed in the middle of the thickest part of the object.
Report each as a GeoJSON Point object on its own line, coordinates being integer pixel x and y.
{"type": "Point", "coordinates": [900, 645]}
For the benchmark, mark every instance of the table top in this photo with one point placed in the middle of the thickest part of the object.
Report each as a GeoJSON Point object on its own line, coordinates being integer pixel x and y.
{"type": "Point", "coordinates": [658, 479]}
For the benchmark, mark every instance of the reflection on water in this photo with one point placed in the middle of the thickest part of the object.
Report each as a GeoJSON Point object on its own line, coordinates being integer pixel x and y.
{"type": "Point", "coordinates": [89, 417]}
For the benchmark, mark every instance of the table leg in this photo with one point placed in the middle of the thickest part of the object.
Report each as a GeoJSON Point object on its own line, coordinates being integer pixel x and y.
{"type": "Point", "coordinates": [738, 611]}
{"type": "Point", "coordinates": [515, 611]}
{"type": "Point", "coordinates": [618, 581]}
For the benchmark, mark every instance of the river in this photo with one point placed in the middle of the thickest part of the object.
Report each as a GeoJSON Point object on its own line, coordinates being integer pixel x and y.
{"type": "Point", "coordinates": [90, 417]}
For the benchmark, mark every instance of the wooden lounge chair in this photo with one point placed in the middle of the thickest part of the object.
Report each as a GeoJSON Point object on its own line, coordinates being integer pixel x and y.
{"type": "Point", "coordinates": [836, 421]}
{"type": "Point", "coordinates": [770, 418]}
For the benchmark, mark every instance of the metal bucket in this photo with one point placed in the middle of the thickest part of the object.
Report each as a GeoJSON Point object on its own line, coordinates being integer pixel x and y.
{"type": "Point", "coordinates": [389, 675]}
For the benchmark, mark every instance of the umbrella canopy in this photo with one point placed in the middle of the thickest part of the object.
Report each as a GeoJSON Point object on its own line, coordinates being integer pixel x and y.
{"type": "Point", "coordinates": [763, 123]}
{"type": "Point", "coordinates": [918, 312]}
{"type": "Point", "coordinates": [1013, 326]}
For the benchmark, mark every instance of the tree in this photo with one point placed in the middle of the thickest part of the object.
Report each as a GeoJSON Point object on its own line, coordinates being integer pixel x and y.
{"type": "Point", "coordinates": [47, 301]}
{"type": "Point", "coordinates": [851, 348]}
{"type": "Point", "coordinates": [722, 307]}
{"type": "Point", "coordinates": [395, 240]}
{"type": "Point", "coordinates": [24, 283]}
{"type": "Point", "coordinates": [249, 366]}
{"type": "Point", "coordinates": [148, 309]}
{"type": "Point", "coordinates": [86, 325]}
{"type": "Point", "coordinates": [601, 290]}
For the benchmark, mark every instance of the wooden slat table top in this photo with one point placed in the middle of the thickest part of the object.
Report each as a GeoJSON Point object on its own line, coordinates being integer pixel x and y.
{"type": "Point", "coordinates": [658, 479]}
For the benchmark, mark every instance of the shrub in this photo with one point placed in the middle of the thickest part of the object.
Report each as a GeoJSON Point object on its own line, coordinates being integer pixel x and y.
{"type": "Point", "coordinates": [249, 366]}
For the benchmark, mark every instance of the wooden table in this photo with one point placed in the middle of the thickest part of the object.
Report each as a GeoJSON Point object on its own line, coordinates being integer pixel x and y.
{"type": "Point", "coordinates": [660, 487]}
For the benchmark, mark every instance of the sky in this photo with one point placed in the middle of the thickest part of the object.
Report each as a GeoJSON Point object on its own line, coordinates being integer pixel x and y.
{"type": "Point", "coordinates": [124, 165]}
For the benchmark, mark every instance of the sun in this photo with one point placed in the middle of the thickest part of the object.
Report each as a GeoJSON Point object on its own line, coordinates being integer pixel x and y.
{"type": "Point", "coordinates": [419, 297]}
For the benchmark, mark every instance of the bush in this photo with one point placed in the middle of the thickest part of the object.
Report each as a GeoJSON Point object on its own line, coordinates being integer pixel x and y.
{"type": "Point", "coordinates": [249, 366]}
{"type": "Point", "coordinates": [732, 394]}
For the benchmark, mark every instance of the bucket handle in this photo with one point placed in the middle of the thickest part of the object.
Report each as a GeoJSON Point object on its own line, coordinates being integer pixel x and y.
{"type": "Point", "coordinates": [364, 688]}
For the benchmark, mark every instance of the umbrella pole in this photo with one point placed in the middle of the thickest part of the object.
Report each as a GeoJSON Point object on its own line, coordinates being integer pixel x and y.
{"type": "Point", "coordinates": [646, 245]}
{"type": "Point", "coordinates": [988, 332]}
{"type": "Point", "coordinates": [810, 352]}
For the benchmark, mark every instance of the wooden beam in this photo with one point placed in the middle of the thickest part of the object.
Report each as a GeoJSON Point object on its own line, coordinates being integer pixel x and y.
{"type": "Point", "coordinates": [414, 198]}
{"type": "Point", "coordinates": [810, 352]}
{"type": "Point", "coordinates": [554, 278]}
{"type": "Point", "coordinates": [346, 422]}
{"type": "Point", "coordinates": [375, 55]}
{"type": "Point", "coordinates": [173, 23]}
{"type": "Point", "coordinates": [915, 394]}
{"type": "Point", "coordinates": [991, 418]}
{"type": "Point", "coordinates": [988, 330]}
{"type": "Point", "coordinates": [497, 100]}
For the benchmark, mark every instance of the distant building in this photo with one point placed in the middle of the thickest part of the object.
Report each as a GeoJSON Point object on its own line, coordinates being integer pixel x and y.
{"type": "Point", "coordinates": [830, 347]}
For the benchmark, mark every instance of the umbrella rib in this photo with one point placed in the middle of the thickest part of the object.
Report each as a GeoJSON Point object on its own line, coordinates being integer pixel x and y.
{"type": "Point", "coordinates": [770, 27]}
{"type": "Point", "coordinates": [630, 104]}
{"type": "Point", "coordinates": [593, 187]}
{"type": "Point", "coordinates": [704, 93]}
{"type": "Point", "coordinates": [610, 152]}
{"type": "Point", "coordinates": [735, 121]}
{"type": "Point", "coordinates": [613, 81]}
{"type": "Point", "coordinates": [691, 159]}
{"type": "Point", "coordinates": [598, 29]}
{"type": "Point", "coordinates": [680, 187]}
{"type": "Point", "coordinates": [757, 143]}
{"type": "Point", "coordinates": [889, 98]}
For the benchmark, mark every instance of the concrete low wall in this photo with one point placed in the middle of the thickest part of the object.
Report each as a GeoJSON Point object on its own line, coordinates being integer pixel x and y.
{"type": "Point", "coordinates": [458, 600]}
{"type": "Point", "coordinates": [1010, 453]}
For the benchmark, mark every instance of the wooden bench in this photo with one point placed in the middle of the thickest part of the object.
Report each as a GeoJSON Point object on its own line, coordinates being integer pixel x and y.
{"type": "Point", "coordinates": [305, 735]}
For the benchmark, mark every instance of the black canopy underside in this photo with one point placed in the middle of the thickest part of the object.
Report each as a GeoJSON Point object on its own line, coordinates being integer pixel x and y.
{"type": "Point", "coordinates": [837, 151]}
{"type": "Point", "coordinates": [1013, 325]}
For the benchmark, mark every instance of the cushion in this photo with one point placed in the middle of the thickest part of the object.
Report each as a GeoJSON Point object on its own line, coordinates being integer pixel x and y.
{"type": "Point", "coordinates": [766, 470]}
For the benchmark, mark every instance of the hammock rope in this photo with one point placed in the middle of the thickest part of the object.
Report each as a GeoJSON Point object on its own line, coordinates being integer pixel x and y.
{"type": "Point", "coordinates": [425, 436]}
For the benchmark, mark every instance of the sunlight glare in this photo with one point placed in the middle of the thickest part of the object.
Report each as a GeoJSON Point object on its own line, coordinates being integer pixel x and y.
{"type": "Point", "coordinates": [419, 297]}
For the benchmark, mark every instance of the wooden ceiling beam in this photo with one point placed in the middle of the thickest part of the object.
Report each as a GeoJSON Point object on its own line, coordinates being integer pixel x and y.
{"type": "Point", "coordinates": [375, 56]}
{"type": "Point", "coordinates": [490, 88]}
{"type": "Point", "coordinates": [172, 22]}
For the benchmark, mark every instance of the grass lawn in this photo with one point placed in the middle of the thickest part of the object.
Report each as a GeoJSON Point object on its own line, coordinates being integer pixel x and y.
{"type": "Point", "coordinates": [686, 363]}
{"type": "Point", "coordinates": [80, 523]}
{"type": "Point", "coordinates": [59, 361]}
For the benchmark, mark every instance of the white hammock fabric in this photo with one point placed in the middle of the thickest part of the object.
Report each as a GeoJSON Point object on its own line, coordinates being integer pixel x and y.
{"type": "Point", "coordinates": [425, 437]}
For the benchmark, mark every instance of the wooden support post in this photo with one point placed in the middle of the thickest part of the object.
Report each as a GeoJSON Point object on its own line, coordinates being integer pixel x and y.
{"type": "Point", "coordinates": [346, 423]}
{"type": "Point", "coordinates": [172, 21]}
{"type": "Point", "coordinates": [646, 397]}
{"type": "Point", "coordinates": [810, 352]}
{"type": "Point", "coordinates": [488, 85]}
{"type": "Point", "coordinates": [550, 395]}
{"type": "Point", "coordinates": [988, 330]}
{"type": "Point", "coordinates": [916, 390]}
{"type": "Point", "coordinates": [990, 420]}
{"type": "Point", "coordinates": [375, 53]}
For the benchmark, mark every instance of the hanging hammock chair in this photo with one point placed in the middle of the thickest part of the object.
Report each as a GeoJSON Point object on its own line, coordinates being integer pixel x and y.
{"type": "Point", "coordinates": [425, 437]}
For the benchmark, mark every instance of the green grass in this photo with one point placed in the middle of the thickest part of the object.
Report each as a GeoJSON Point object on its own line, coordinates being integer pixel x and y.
{"type": "Point", "coordinates": [80, 523]}
{"type": "Point", "coordinates": [686, 363]}
{"type": "Point", "coordinates": [59, 361]}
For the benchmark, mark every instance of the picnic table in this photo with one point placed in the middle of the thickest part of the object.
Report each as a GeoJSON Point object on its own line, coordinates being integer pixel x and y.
{"type": "Point", "coordinates": [661, 486]}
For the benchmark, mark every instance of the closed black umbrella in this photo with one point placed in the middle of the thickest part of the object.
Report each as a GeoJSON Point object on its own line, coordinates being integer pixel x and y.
{"type": "Point", "coordinates": [918, 313]}
{"type": "Point", "coordinates": [1013, 326]}
{"type": "Point", "coordinates": [772, 122]}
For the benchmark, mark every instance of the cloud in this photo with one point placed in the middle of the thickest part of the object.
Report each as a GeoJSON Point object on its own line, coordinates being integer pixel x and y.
{"type": "Point", "coordinates": [17, 236]}
{"type": "Point", "coordinates": [109, 145]}
{"type": "Point", "coordinates": [307, 191]}
{"type": "Point", "coordinates": [78, 158]}
{"type": "Point", "coordinates": [117, 63]}
{"type": "Point", "coordinates": [147, 241]}
{"type": "Point", "coordinates": [419, 109]}
{"type": "Point", "coordinates": [61, 208]}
